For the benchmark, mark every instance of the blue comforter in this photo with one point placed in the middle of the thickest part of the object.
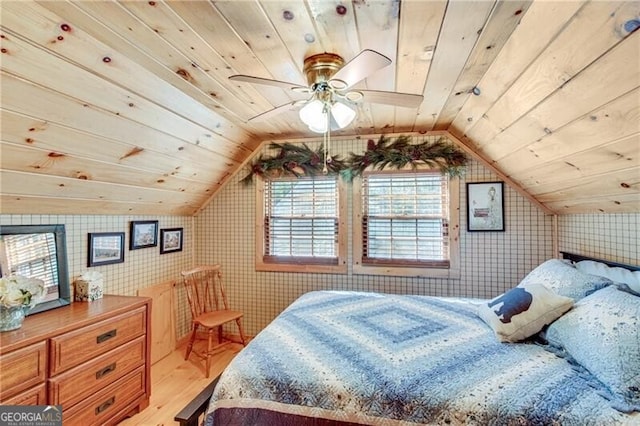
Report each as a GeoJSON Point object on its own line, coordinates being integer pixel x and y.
{"type": "Point", "coordinates": [346, 358]}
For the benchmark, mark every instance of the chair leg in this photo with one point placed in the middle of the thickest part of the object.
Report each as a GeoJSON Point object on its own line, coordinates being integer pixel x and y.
{"type": "Point", "coordinates": [241, 331]}
{"type": "Point", "coordinates": [191, 340]}
{"type": "Point", "coordinates": [209, 351]}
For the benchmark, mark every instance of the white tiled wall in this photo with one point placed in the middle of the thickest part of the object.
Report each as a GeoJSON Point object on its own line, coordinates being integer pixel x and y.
{"type": "Point", "coordinates": [491, 262]}
{"type": "Point", "coordinates": [612, 237]}
{"type": "Point", "coordinates": [141, 268]}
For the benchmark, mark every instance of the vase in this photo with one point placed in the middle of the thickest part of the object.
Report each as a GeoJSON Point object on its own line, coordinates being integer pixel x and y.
{"type": "Point", "coordinates": [11, 317]}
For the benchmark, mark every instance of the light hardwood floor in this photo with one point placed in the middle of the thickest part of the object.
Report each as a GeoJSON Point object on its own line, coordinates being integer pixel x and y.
{"type": "Point", "coordinates": [175, 382]}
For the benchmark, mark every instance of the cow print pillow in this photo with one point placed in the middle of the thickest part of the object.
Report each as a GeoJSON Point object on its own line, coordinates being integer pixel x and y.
{"type": "Point", "coordinates": [523, 311]}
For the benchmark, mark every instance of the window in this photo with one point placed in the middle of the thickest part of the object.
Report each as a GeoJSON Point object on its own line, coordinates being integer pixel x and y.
{"type": "Point", "coordinates": [406, 224]}
{"type": "Point", "coordinates": [301, 221]}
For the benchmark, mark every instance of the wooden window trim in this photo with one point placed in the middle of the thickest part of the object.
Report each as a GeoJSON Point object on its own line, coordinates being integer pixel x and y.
{"type": "Point", "coordinates": [301, 264]}
{"type": "Point", "coordinates": [401, 268]}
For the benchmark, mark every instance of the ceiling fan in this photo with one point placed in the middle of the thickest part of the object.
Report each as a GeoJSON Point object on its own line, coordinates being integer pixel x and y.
{"type": "Point", "coordinates": [329, 90]}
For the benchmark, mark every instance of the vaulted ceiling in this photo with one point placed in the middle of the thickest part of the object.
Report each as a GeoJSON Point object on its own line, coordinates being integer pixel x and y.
{"type": "Point", "coordinates": [125, 107]}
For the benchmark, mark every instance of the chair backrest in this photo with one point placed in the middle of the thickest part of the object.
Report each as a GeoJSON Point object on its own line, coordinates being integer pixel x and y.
{"type": "Point", "coordinates": [205, 290]}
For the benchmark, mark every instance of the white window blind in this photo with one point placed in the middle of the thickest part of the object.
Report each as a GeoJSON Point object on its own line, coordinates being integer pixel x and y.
{"type": "Point", "coordinates": [301, 220]}
{"type": "Point", "coordinates": [33, 255]}
{"type": "Point", "coordinates": [405, 219]}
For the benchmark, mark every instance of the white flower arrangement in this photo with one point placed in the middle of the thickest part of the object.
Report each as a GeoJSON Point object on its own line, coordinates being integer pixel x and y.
{"type": "Point", "coordinates": [17, 290]}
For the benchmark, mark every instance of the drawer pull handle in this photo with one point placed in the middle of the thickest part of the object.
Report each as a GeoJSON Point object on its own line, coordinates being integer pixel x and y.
{"type": "Point", "coordinates": [106, 370]}
{"type": "Point", "coordinates": [108, 403]}
{"type": "Point", "coordinates": [106, 336]}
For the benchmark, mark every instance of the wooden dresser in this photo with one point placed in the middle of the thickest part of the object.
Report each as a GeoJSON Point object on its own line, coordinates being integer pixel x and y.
{"type": "Point", "coordinates": [93, 358]}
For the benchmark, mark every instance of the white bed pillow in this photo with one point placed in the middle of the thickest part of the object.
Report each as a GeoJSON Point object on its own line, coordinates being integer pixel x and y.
{"type": "Point", "coordinates": [615, 274]}
{"type": "Point", "coordinates": [564, 279]}
{"type": "Point", "coordinates": [523, 311]}
{"type": "Point", "coordinates": [602, 333]}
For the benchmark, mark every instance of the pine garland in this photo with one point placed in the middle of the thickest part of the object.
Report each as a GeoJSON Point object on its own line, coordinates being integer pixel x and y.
{"type": "Point", "coordinates": [300, 160]}
{"type": "Point", "coordinates": [400, 153]}
{"type": "Point", "coordinates": [294, 160]}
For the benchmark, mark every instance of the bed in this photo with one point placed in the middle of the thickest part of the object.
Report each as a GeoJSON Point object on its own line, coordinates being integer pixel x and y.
{"type": "Point", "coordinates": [352, 358]}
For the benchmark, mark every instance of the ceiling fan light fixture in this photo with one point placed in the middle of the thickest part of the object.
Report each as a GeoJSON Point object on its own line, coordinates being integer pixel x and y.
{"type": "Point", "coordinates": [342, 114]}
{"type": "Point", "coordinates": [313, 115]}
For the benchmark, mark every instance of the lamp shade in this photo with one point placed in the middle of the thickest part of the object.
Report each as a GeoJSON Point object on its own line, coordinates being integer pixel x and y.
{"type": "Point", "coordinates": [342, 114]}
{"type": "Point", "coordinates": [314, 115]}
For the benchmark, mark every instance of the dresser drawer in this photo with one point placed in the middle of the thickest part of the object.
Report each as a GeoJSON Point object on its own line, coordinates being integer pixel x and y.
{"type": "Point", "coordinates": [72, 386]}
{"type": "Point", "coordinates": [76, 347]}
{"type": "Point", "coordinates": [22, 369]}
{"type": "Point", "coordinates": [37, 395]}
{"type": "Point", "coordinates": [100, 408]}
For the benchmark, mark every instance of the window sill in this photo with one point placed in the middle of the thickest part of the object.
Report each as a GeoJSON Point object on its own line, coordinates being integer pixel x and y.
{"type": "Point", "coordinates": [398, 271]}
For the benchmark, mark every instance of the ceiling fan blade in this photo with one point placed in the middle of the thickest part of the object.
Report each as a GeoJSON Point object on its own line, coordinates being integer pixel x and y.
{"type": "Point", "coordinates": [407, 100]}
{"type": "Point", "coordinates": [289, 106]}
{"type": "Point", "coordinates": [363, 65]}
{"type": "Point", "coordinates": [268, 82]}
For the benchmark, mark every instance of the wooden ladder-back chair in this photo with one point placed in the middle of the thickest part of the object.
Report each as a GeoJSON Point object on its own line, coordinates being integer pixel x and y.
{"type": "Point", "coordinates": [209, 308]}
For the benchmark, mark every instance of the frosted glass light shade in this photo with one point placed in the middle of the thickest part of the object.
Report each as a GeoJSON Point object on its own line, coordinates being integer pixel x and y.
{"type": "Point", "coordinates": [314, 115]}
{"type": "Point", "coordinates": [342, 114]}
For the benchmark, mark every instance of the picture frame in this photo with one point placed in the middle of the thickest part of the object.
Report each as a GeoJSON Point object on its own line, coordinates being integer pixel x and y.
{"type": "Point", "coordinates": [143, 234]}
{"type": "Point", "coordinates": [105, 248]}
{"type": "Point", "coordinates": [485, 206]}
{"type": "Point", "coordinates": [171, 240]}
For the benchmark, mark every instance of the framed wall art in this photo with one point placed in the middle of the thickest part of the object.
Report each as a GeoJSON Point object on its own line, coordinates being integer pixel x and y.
{"type": "Point", "coordinates": [171, 240]}
{"type": "Point", "coordinates": [144, 233]}
{"type": "Point", "coordinates": [485, 206]}
{"type": "Point", "coordinates": [105, 248]}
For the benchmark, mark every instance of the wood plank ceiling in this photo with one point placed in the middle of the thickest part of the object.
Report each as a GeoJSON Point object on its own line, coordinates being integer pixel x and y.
{"type": "Point", "coordinates": [125, 107]}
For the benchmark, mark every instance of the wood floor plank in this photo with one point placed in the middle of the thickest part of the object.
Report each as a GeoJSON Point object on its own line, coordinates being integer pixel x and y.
{"type": "Point", "coordinates": [175, 382]}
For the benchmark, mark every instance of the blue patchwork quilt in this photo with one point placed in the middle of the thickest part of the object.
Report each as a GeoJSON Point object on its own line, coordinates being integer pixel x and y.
{"type": "Point", "coordinates": [348, 358]}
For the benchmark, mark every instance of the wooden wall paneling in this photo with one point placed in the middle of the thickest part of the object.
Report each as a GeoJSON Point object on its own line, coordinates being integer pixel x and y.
{"type": "Point", "coordinates": [619, 203]}
{"type": "Point", "coordinates": [618, 155]}
{"type": "Point", "coordinates": [163, 335]}
{"type": "Point", "coordinates": [338, 32]}
{"type": "Point", "coordinates": [377, 26]}
{"type": "Point", "coordinates": [252, 25]}
{"type": "Point", "coordinates": [57, 186]}
{"type": "Point", "coordinates": [537, 28]}
{"type": "Point", "coordinates": [459, 33]}
{"type": "Point", "coordinates": [127, 36]}
{"type": "Point", "coordinates": [593, 31]}
{"type": "Point", "coordinates": [504, 19]}
{"type": "Point", "coordinates": [418, 34]}
{"type": "Point", "coordinates": [26, 98]}
{"type": "Point", "coordinates": [207, 22]}
{"type": "Point", "coordinates": [34, 64]}
{"type": "Point", "coordinates": [175, 32]}
{"type": "Point", "coordinates": [79, 47]}
{"type": "Point", "coordinates": [619, 182]}
{"type": "Point", "coordinates": [47, 135]}
{"type": "Point", "coordinates": [613, 75]}
{"type": "Point", "coordinates": [616, 120]}
{"type": "Point", "coordinates": [35, 160]}
{"type": "Point", "coordinates": [24, 204]}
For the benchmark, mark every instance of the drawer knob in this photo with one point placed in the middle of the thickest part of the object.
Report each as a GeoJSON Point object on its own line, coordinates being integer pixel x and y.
{"type": "Point", "coordinates": [106, 370]}
{"type": "Point", "coordinates": [106, 336]}
{"type": "Point", "coordinates": [108, 403]}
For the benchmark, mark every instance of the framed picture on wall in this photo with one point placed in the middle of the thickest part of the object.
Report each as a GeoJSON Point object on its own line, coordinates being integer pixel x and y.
{"type": "Point", "coordinates": [485, 206]}
{"type": "Point", "coordinates": [144, 233]}
{"type": "Point", "coordinates": [105, 248]}
{"type": "Point", "coordinates": [171, 240]}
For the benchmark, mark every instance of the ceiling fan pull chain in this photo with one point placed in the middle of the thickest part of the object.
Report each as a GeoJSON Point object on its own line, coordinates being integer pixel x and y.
{"type": "Point", "coordinates": [326, 139]}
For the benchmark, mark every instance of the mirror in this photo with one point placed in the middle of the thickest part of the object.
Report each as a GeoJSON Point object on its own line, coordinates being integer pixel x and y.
{"type": "Point", "coordinates": [38, 251]}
